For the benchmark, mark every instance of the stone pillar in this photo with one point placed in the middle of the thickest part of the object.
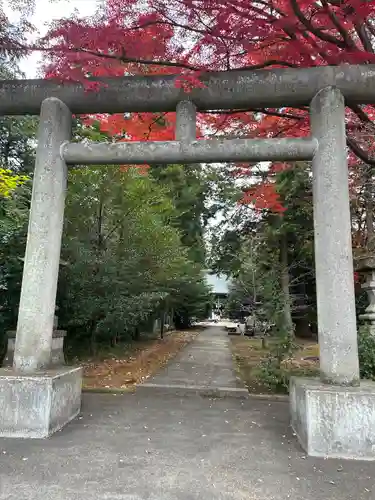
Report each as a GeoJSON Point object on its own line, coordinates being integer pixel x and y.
{"type": "Point", "coordinates": [333, 246]}
{"type": "Point", "coordinates": [186, 123]}
{"type": "Point", "coordinates": [41, 267]}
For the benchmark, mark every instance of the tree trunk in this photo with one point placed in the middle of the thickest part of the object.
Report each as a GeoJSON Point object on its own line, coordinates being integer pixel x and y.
{"type": "Point", "coordinates": [285, 286]}
{"type": "Point", "coordinates": [115, 340]}
{"type": "Point", "coordinates": [162, 321]}
{"type": "Point", "coordinates": [93, 345]}
{"type": "Point", "coordinates": [303, 328]}
{"type": "Point", "coordinates": [253, 272]}
{"type": "Point", "coordinates": [181, 320]}
{"type": "Point", "coordinates": [137, 334]}
{"type": "Point", "coordinates": [172, 317]}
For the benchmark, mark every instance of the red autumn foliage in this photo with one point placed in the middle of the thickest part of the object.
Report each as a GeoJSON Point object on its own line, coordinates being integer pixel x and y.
{"type": "Point", "coordinates": [263, 196]}
{"type": "Point", "coordinates": [185, 37]}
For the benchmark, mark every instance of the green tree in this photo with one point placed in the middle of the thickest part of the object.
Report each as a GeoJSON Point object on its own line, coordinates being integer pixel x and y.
{"type": "Point", "coordinates": [274, 255]}
{"type": "Point", "coordinates": [14, 213]}
{"type": "Point", "coordinates": [199, 193]}
{"type": "Point", "coordinates": [192, 297]}
{"type": "Point", "coordinates": [187, 188]}
{"type": "Point", "coordinates": [114, 244]}
{"type": "Point", "coordinates": [17, 148]}
{"type": "Point", "coordinates": [124, 260]}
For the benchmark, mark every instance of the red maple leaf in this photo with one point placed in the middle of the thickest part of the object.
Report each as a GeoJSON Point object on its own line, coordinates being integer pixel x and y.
{"type": "Point", "coordinates": [186, 37]}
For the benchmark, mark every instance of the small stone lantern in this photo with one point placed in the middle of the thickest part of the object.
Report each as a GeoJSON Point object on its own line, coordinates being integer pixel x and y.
{"type": "Point", "coordinates": [57, 354]}
{"type": "Point", "coordinates": [366, 265]}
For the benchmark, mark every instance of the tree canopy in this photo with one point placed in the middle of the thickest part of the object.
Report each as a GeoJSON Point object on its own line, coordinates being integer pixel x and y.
{"type": "Point", "coordinates": [186, 37]}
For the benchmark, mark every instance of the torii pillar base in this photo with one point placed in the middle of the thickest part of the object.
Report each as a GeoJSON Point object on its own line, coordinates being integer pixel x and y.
{"type": "Point", "coordinates": [37, 405]}
{"type": "Point", "coordinates": [334, 421]}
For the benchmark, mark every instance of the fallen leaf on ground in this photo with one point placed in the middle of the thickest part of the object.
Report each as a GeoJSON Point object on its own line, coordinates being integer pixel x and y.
{"type": "Point", "coordinates": [146, 359]}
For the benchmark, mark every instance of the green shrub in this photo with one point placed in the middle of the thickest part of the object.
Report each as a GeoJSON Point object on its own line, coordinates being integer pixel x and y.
{"type": "Point", "coordinates": [366, 353]}
{"type": "Point", "coordinates": [275, 374]}
{"type": "Point", "coordinates": [271, 375]}
{"type": "Point", "coordinates": [270, 372]}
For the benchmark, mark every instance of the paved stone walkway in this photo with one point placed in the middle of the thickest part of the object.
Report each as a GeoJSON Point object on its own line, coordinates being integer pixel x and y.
{"type": "Point", "coordinates": [156, 445]}
{"type": "Point", "coordinates": [204, 366]}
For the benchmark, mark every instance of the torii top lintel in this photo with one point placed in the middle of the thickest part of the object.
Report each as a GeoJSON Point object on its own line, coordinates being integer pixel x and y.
{"type": "Point", "coordinates": [225, 90]}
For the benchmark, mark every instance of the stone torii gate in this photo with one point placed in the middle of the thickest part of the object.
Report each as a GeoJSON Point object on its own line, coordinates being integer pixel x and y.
{"type": "Point", "coordinates": [333, 416]}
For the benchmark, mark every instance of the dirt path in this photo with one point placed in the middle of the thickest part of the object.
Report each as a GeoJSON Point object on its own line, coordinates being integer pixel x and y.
{"type": "Point", "coordinates": [134, 367]}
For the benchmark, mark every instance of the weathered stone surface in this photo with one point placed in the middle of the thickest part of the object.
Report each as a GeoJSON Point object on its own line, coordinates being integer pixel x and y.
{"type": "Point", "coordinates": [186, 122]}
{"type": "Point", "coordinates": [332, 421]}
{"type": "Point", "coordinates": [42, 257]}
{"type": "Point", "coordinates": [197, 151]}
{"type": "Point", "coordinates": [57, 352]}
{"type": "Point", "coordinates": [269, 88]}
{"type": "Point", "coordinates": [333, 243]}
{"type": "Point", "coordinates": [36, 406]}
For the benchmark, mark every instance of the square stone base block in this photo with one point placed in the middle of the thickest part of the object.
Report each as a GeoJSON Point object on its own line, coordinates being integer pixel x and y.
{"type": "Point", "coordinates": [332, 421]}
{"type": "Point", "coordinates": [37, 405]}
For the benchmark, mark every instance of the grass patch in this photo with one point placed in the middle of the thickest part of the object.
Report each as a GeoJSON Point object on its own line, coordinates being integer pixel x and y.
{"type": "Point", "coordinates": [260, 370]}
